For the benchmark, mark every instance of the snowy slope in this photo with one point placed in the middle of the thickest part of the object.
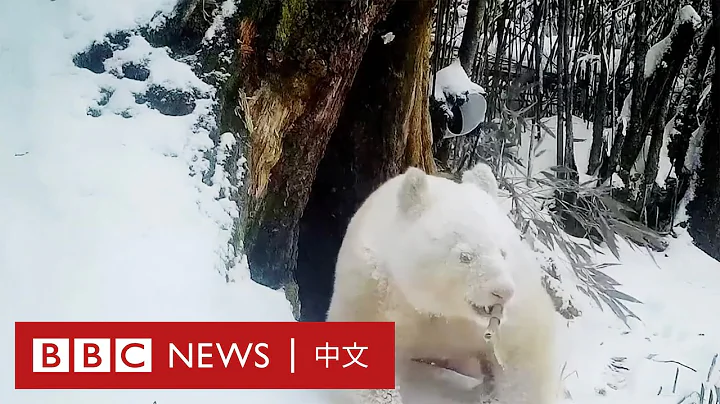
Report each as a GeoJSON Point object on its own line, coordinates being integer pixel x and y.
{"type": "Point", "coordinates": [609, 362]}
{"type": "Point", "coordinates": [100, 219]}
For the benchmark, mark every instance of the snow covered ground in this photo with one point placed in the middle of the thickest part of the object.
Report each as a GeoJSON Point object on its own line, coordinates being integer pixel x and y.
{"type": "Point", "coordinates": [100, 220]}
{"type": "Point", "coordinates": [609, 362]}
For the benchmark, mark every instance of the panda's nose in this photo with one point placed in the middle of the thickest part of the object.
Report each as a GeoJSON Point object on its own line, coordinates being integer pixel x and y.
{"type": "Point", "coordinates": [502, 292]}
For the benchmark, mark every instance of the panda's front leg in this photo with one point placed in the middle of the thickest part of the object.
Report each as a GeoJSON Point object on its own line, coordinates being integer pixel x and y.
{"type": "Point", "coordinates": [490, 369]}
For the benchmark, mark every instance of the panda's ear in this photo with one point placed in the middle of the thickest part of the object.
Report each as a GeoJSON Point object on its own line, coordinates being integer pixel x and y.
{"type": "Point", "coordinates": [412, 196]}
{"type": "Point", "coordinates": [481, 175]}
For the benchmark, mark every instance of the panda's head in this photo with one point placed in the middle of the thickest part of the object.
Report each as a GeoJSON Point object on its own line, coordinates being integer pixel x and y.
{"type": "Point", "coordinates": [449, 258]}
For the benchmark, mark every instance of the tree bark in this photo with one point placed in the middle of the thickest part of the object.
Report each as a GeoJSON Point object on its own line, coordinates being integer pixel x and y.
{"type": "Point", "coordinates": [653, 156]}
{"type": "Point", "coordinates": [661, 83]}
{"type": "Point", "coordinates": [651, 105]}
{"type": "Point", "coordinates": [638, 88]}
{"type": "Point", "coordinates": [493, 99]}
{"type": "Point", "coordinates": [294, 66]}
{"type": "Point", "coordinates": [704, 209]}
{"type": "Point", "coordinates": [471, 35]}
{"type": "Point", "coordinates": [596, 148]}
{"type": "Point", "coordinates": [568, 92]}
{"type": "Point", "coordinates": [686, 119]}
{"type": "Point", "coordinates": [566, 150]}
{"type": "Point", "coordinates": [383, 128]}
{"type": "Point", "coordinates": [561, 95]}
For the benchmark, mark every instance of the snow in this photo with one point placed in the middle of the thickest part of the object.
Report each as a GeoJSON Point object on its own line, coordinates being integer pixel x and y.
{"type": "Point", "coordinates": [704, 95]}
{"type": "Point", "coordinates": [685, 284]}
{"type": "Point", "coordinates": [586, 59]}
{"type": "Point", "coordinates": [388, 37]}
{"type": "Point", "coordinates": [544, 150]}
{"type": "Point", "coordinates": [688, 14]}
{"type": "Point", "coordinates": [163, 69]}
{"type": "Point", "coordinates": [107, 219]}
{"type": "Point", "coordinates": [625, 113]}
{"type": "Point", "coordinates": [656, 52]}
{"type": "Point", "coordinates": [665, 167]}
{"type": "Point", "coordinates": [692, 157]}
{"type": "Point", "coordinates": [548, 43]}
{"type": "Point", "coordinates": [606, 361]}
{"type": "Point", "coordinates": [691, 164]}
{"type": "Point", "coordinates": [100, 217]}
{"type": "Point", "coordinates": [225, 11]}
{"type": "Point", "coordinates": [453, 81]}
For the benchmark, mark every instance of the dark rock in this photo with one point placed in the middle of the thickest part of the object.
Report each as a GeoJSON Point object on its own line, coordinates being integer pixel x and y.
{"type": "Point", "coordinates": [94, 112]}
{"type": "Point", "coordinates": [119, 40]}
{"type": "Point", "coordinates": [183, 32]}
{"type": "Point", "coordinates": [135, 71]}
{"type": "Point", "coordinates": [94, 57]}
{"type": "Point", "coordinates": [166, 101]}
{"type": "Point", "coordinates": [184, 29]}
{"type": "Point", "coordinates": [105, 93]}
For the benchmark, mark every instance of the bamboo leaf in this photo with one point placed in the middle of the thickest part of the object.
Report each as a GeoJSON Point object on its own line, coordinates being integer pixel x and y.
{"type": "Point", "coordinates": [614, 307]}
{"type": "Point", "coordinates": [616, 294]}
{"type": "Point", "coordinates": [591, 295]}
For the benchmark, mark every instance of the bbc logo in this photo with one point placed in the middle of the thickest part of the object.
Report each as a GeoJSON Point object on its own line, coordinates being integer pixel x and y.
{"type": "Point", "coordinates": [128, 355]}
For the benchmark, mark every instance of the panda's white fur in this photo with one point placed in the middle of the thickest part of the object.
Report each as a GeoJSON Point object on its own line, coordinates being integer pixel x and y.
{"type": "Point", "coordinates": [421, 251]}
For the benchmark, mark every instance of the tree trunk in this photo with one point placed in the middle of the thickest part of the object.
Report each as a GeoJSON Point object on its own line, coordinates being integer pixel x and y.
{"type": "Point", "coordinates": [653, 159]}
{"type": "Point", "coordinates": [596, 148]}
{"type": "Point", "coordinates": [638, 88]}
{"type": "Point", "coordinates": [471, 35]}
{"type": "Point", "coordinates": [294, 66]}
{"type": "Point", "coordinates": [566, 150]}
{"type": "Point", "coordinates": [568, 93]}
{"type": "Point", "coordinates": [561, 95]}
{"type": "Point", "coordinates": [686, 119]}
{"type": "Point", "coordinates": [538, 42]}
{"type": "Point", "coordinates": [383, 128]}
{"type": "Point", "coordinates": [660, 85]}
{"type": "Point", "coordinates": [494, 97]}
{"type": "Point", "coordinates": [704, 209]}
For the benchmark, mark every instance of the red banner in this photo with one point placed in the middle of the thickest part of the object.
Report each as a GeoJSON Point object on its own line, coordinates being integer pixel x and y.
{"type": "Point", "coordinates": [259, 355]}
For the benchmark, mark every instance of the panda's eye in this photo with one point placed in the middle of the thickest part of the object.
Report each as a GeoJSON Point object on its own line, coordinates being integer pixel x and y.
{"type": "Point", "coordinates": [466, 257]}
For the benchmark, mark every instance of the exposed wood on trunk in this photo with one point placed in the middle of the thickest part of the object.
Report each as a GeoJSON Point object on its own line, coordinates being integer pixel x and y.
{"type": "Point", "coordinates": [383, 129]}
{"type": "Point", "coordinates": [295, 65]}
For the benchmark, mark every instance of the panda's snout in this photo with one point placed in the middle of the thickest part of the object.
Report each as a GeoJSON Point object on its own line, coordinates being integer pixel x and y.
{"type": "Point", "coordinates": [491, 292]}
{"type": "Point", "coordinates": [502, 292]}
